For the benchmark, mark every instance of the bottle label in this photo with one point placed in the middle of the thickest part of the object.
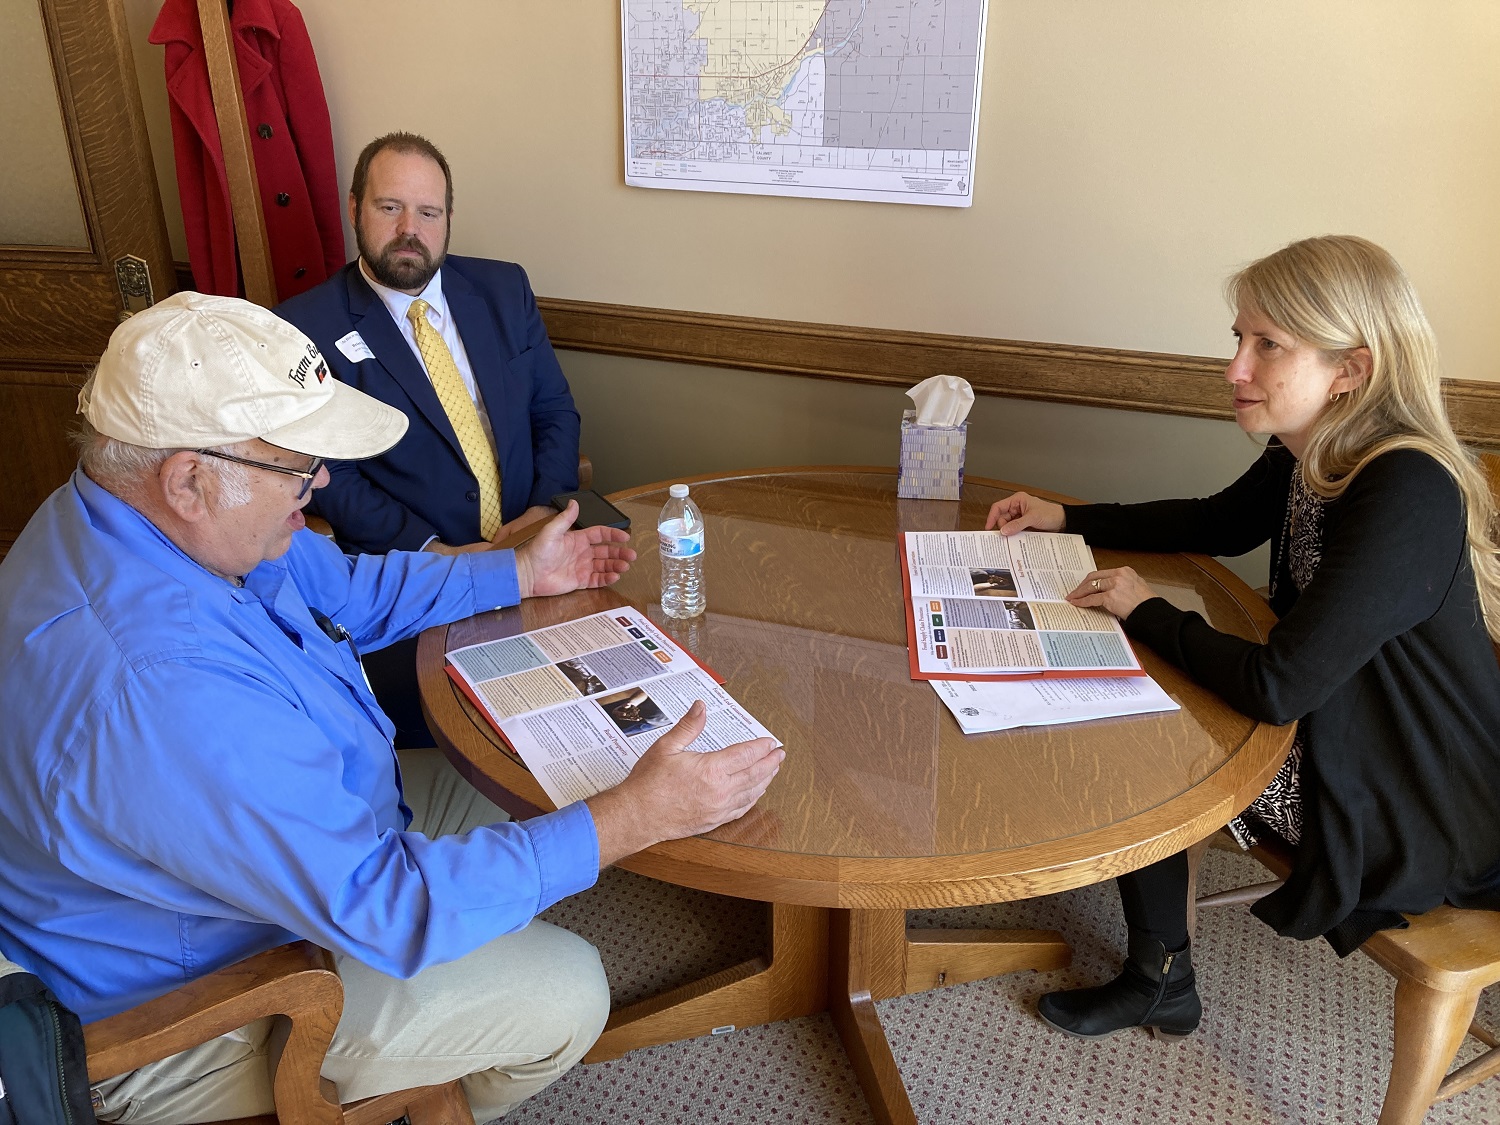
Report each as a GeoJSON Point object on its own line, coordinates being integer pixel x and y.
{"type": "Point", "coordinates": [674, 546]}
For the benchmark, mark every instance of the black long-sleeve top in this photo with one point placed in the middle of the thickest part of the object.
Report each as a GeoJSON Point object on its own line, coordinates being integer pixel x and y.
{"type": "Point", "coordinates": [1385, 661]}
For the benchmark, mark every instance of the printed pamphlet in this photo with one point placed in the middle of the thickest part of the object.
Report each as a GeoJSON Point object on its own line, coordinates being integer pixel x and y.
{"type": "Point", "coordinates": [981, 605]}
{"type": "Point", "coordinates": [580, 702]}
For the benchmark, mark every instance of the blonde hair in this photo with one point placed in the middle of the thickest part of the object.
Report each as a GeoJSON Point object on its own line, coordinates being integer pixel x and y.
{"type": "Point", "coordinates": [1339, 293]}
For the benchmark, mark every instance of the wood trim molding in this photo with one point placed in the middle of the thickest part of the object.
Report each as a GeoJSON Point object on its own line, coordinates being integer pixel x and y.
{"type": "Point", "coordinates": [1161, 383]}
{"type": "Point", "coordinates": [1107, 377]}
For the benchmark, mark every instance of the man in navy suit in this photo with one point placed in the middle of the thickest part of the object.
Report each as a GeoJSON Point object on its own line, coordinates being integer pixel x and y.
{"type": "Point", "coordinates": [470, 366]}
{"type": "Point", "coordinates": [425, 493]}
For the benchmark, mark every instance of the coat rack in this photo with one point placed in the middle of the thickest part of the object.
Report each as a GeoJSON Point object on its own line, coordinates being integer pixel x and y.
{"type": "Point", "coordinates": [251, 242]}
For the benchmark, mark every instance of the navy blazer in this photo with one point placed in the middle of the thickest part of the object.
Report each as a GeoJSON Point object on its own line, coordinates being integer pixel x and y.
{"type": "Point", "coordinates": [423, 487]}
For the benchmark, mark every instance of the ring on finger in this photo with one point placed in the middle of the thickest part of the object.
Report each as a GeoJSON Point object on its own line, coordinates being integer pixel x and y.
{"type": "Point", "coordinates": [1096, 583]}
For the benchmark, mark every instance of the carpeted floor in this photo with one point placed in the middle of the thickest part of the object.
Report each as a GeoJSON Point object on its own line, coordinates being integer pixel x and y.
{"type": "Point", "coordinates": [1291, 1034]}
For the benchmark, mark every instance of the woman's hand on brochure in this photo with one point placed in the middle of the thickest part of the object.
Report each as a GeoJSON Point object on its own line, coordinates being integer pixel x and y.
{"type": "Point", "coordinates": [558, 560]}
{"type": "Point", "coordinates": [1021, 511]}
{"type": "Point", "coordinates": [1119, 591]}
{"type": "Point", "coordinates": [675, 792]}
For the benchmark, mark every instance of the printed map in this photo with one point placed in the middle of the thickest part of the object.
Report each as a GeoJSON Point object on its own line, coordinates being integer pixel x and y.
{"type": "Point", "coordinates": [842, 99]}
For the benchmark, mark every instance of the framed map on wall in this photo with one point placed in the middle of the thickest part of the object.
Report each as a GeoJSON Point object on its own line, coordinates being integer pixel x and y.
{"type": "Point", "coordinates": [874, 100]}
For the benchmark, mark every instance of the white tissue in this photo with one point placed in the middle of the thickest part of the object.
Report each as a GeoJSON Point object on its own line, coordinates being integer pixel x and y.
{"type": "Point", "coordinates": [943, 400]}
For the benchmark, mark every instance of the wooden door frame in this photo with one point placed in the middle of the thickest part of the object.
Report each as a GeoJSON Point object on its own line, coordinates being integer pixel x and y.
{"type": "Point", "coordinates": [59, 304]}
{"type": "Point", "coordinates": [105, 124]}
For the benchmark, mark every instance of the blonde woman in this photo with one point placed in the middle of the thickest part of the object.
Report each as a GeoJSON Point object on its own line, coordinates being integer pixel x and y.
{"type": "Point", "coordinates": [1386, 583]}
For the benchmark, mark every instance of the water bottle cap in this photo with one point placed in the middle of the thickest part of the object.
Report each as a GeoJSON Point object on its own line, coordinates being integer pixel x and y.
{"type": "Point", "coordinates": [678, 491]}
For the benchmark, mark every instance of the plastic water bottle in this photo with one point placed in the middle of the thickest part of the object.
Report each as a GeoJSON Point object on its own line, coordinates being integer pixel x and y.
{"type": "Point", "coordinates": [680, 532]}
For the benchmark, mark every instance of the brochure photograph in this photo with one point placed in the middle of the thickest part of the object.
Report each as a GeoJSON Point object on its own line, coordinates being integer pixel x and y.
{"type": "Point", "coordinates": [582, 701]}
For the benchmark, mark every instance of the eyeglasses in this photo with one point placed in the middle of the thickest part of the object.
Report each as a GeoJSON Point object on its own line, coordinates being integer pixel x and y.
{"type": "Point", "coordinates": [308, 474]}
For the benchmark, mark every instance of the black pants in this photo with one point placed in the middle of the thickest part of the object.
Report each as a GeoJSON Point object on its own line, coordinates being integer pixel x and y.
{"type": "Point", "coordinates": [1155, 900]}
{"type": "Point", "coordinates": [393, 678]}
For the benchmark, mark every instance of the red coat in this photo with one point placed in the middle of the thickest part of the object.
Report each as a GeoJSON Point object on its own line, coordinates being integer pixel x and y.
{"type": "Point", "coordinates": [289, 134]}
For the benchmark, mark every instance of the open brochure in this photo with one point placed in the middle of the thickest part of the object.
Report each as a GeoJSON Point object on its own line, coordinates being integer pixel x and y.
{"type": "Point", "coordinates": [1002, 705]}
{"type": "Point", "coordinates": [981, 605]}
{"type": "Point", "coordinates": [580, 702]}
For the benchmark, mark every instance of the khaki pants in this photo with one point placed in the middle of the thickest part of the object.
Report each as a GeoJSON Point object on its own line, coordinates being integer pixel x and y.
{"type": "Point", "coordinates": [508, 1019]}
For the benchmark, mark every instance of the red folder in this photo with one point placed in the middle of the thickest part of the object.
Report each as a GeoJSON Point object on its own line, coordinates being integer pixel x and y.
{"type": "Point", "coordinates": [1048, 674]}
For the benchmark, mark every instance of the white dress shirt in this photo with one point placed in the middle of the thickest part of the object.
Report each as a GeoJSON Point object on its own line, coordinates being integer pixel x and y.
{"type": "Point", "coordinates": [440, 318]}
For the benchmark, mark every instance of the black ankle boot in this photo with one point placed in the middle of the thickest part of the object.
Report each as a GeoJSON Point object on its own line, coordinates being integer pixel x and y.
{"type": "Point", "coordinates": [1156, 990]}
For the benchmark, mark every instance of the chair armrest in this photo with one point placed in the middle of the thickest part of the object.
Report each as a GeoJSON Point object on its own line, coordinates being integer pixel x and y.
{"type": "Point", "coordinates": [295, 980]}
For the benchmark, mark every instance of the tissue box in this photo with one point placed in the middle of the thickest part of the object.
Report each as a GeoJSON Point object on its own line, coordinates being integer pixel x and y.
{"type": "Point", "coordinates": [932, 460]}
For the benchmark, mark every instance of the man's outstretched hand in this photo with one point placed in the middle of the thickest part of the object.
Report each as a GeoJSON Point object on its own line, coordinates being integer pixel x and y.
{"type": "Point", "coordinates": [558, 560]}
{"type": "Point", "coordinates": [675, 792]}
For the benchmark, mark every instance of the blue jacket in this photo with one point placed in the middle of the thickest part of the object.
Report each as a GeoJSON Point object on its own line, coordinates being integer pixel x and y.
{"type": "Point", "coordinates": [423, 487]}
{"type": "Point", "coordinates": [192, 772]}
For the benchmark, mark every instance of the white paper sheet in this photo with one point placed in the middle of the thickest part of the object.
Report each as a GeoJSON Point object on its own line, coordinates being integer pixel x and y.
{"type": "Point", "coordinates": [1003, 705]}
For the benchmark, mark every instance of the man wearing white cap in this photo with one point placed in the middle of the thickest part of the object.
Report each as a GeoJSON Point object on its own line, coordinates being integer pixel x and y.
{"type": "Point", "coordinates": [193, 769]}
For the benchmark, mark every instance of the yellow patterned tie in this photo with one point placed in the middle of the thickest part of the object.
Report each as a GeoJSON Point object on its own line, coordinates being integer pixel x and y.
{"type": "Point", "coordinates": [459, 407]}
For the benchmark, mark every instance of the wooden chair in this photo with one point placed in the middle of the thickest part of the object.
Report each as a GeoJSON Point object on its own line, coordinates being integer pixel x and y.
{"type": "Point", "coordinates": [1442, 961]}
{"type": "Point", "coordinates": [295, 983]}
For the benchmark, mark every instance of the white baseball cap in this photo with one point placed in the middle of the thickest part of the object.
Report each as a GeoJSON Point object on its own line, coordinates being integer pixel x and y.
{"type": "Point", "coordinates": [198, 371]}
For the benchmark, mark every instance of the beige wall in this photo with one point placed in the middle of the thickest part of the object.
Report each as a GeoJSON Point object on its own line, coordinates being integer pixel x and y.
{"type": "Point", "coordinates": [648, 421]}
{"type": "Point", "coordinates": [1131, 153]}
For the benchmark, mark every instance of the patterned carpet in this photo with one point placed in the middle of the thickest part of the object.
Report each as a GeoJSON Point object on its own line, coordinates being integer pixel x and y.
{"type": "Point", "coordinates": [1291, 1034]}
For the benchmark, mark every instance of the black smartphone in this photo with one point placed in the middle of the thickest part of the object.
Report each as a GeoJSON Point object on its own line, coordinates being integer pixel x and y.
{"type": "Point", "coordinates": [593, 510]}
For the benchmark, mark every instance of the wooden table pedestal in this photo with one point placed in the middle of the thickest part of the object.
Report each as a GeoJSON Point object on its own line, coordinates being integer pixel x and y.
{"type": "Point", "coordinates": [839, 961]}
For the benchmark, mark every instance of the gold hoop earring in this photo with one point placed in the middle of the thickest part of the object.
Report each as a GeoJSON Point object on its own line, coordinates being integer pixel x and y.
{"type": "Point", "coordinates": [1332, 397]}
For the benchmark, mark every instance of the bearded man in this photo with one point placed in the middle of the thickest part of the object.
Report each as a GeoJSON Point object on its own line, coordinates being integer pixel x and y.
{"type": "Point", "coordinates": [457, 345]}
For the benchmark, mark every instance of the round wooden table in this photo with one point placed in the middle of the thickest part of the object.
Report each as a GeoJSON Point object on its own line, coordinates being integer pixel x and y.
{"type": "Point", "coordinates": [882, 803]}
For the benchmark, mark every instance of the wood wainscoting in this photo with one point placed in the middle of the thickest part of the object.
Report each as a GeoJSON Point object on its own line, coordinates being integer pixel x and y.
{"type": "Point", "coordinates": [1108, 377]}
{"type": "Point", "coordinates": [38, 403]}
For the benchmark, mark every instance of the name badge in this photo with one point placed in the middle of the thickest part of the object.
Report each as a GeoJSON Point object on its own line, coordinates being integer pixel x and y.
{"type": "Point", "coordinates": [354, 347]}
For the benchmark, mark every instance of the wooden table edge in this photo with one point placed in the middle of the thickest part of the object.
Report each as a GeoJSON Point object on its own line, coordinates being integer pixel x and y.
{"type": "Point", "coordinates": [842, 882]}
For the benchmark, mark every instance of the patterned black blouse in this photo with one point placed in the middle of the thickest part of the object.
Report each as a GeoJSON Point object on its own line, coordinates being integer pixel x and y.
{"type": "Point", "coordinates": [1381, 655]}
{"type": "Point", "coordinates": [1279, 808]}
